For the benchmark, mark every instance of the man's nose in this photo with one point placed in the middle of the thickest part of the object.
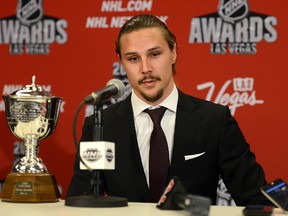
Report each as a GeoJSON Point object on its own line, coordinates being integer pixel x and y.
{"type": "Point", "coordinates": [145, 65]}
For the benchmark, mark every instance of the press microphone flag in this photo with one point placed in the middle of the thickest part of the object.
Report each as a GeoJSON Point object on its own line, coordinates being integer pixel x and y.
{"type": "Point", "coordinates": [97, 155]}
{"type": "Point", "coordinates": [114, 88]}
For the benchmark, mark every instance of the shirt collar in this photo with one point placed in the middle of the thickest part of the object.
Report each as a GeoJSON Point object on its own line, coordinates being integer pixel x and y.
{"type": "Point", "coordinates": [139, 105]}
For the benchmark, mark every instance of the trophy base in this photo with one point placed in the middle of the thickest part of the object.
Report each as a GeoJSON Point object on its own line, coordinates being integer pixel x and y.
{"type": "Point", "coordinates": [31, 188]}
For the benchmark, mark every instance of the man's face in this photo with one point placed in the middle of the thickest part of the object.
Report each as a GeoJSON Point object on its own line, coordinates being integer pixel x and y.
{"type": "Point", "coordinates": [148, 61]}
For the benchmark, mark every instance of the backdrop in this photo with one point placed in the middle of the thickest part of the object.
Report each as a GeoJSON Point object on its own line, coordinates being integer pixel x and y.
{"type": "Point", "coordinates": [231, 52]}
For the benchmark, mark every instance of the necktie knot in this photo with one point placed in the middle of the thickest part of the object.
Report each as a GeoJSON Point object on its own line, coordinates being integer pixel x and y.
{"type": "Point", "coordinates": [156, 114]}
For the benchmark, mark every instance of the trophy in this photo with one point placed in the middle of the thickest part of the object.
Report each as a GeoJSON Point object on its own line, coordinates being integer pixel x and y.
{"type": "Point", "coordinates": [32, 115]}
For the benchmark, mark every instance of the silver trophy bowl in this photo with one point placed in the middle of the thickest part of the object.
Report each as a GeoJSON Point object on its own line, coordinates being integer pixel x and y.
{"type": "Point", "coordinates": [32, 115]}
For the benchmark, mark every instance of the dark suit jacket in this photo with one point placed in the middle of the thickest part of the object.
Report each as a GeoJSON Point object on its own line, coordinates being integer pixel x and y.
{"type": "Point", "coordinates": [201, 126]}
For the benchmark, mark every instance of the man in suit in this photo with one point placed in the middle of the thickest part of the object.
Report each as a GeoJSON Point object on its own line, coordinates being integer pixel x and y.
{"type": "Point", "coordinates": [204, 140]}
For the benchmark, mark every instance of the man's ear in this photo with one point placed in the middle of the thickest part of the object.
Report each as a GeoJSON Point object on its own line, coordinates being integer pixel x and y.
{"type": "Point", "coordinates": [174, 53]}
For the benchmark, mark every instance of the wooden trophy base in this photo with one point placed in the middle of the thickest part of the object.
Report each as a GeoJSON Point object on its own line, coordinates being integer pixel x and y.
{"type": "Point", "coordinates": [32, 188]}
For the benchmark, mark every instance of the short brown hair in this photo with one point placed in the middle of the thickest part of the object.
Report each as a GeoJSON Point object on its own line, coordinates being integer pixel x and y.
{"type": "Point", "coordinates": [143, 21]}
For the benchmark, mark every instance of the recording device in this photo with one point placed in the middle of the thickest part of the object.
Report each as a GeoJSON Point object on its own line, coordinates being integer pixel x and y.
{"type": "Point", "coordinates": [175, 198]}
{"type": "Point", "coordinates": [277, 192]}
{"type": "Point", "coordinates": [258, 210]}
{"type": "Point", "coordinates": [114, 88]}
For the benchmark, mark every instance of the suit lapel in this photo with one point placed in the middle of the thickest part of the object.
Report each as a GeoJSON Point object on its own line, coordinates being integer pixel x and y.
{"type": "Point", "coordinates": [129, 146]}
{"type": "Point", "coordinates": [185, 131]}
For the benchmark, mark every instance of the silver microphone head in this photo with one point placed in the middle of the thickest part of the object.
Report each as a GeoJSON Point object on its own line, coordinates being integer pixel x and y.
{"type": "Point", "coordinates": [120, 86]}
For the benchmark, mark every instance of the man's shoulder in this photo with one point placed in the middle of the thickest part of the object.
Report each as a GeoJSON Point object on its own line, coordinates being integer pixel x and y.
{"type": "Point", "coordinates": [120, 107]}
{"type": "Point", "coordinates": [198, 102]}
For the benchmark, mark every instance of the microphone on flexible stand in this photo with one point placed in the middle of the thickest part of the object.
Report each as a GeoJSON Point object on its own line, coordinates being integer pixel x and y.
{"type": "Point", "coordinates": [97, 154]}
{"type": "Point", "coordinates": [114, 88]}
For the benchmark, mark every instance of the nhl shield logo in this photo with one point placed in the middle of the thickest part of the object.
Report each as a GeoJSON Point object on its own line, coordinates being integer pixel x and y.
{"type": "Point", "coordinates": [233, 10]}
{"type": "Point", "coordinates": [29, 11]}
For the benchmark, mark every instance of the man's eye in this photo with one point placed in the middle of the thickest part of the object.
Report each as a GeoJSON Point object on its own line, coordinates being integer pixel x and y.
{"type": "Point", "coordinates": [133, 58]}
{"type": "Point", "coordinates": [155, 54]}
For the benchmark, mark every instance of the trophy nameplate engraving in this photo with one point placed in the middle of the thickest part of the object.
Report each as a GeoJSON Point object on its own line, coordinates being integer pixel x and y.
{"type": "Point", "coordinates": [24, 188]}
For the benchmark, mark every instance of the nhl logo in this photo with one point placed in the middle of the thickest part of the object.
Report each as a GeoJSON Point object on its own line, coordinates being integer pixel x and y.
{"type": "Point", "coordinates": [233, 10]}
{"type": "Point", "coordinates": [29, 11]}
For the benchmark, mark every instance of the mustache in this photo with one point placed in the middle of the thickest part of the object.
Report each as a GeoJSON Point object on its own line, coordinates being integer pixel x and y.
{"type": "Point", "coordinates": [149, 78]}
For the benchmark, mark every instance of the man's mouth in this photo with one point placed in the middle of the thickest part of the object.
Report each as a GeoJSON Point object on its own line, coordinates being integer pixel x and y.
{"type": "Point", "coordinates": [148, 80]}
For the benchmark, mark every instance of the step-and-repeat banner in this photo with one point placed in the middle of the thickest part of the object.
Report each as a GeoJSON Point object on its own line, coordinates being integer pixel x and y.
{"type": "Point", "coordinates": [231, 52]}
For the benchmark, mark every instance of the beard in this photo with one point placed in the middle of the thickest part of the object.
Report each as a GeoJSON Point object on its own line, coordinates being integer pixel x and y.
{"type": "Point", "coordinates": [152, 98]}
{"type": "Point", "coordinates": [155, 97]}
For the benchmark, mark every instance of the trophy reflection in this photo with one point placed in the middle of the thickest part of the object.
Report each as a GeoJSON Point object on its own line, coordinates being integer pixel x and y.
{"type": "Point", "coordinates": [32, 115]}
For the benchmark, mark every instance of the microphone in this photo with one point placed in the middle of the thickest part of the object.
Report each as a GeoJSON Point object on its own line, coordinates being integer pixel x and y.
{"type": "Point", "coordinates": [114, 88]}
{"type": "Point", "coordinates": [97, 154]}
{"type": "Point", "coordinates": [175, 198]}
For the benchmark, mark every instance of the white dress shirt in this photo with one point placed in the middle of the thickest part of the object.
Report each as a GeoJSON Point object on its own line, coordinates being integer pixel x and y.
{"type": "Point", "coordinates": [144, 125]}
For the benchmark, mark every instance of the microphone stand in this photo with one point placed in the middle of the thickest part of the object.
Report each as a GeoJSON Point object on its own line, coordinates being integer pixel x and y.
{"type": "Point", "coordinates": [96, 181]}
{"type": "Point", "coordinates": [95, 199]}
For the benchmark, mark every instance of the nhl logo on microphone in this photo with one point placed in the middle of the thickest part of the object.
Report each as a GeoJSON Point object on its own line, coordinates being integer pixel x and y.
{"type": "Point", "coordinates": [97, 155]}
